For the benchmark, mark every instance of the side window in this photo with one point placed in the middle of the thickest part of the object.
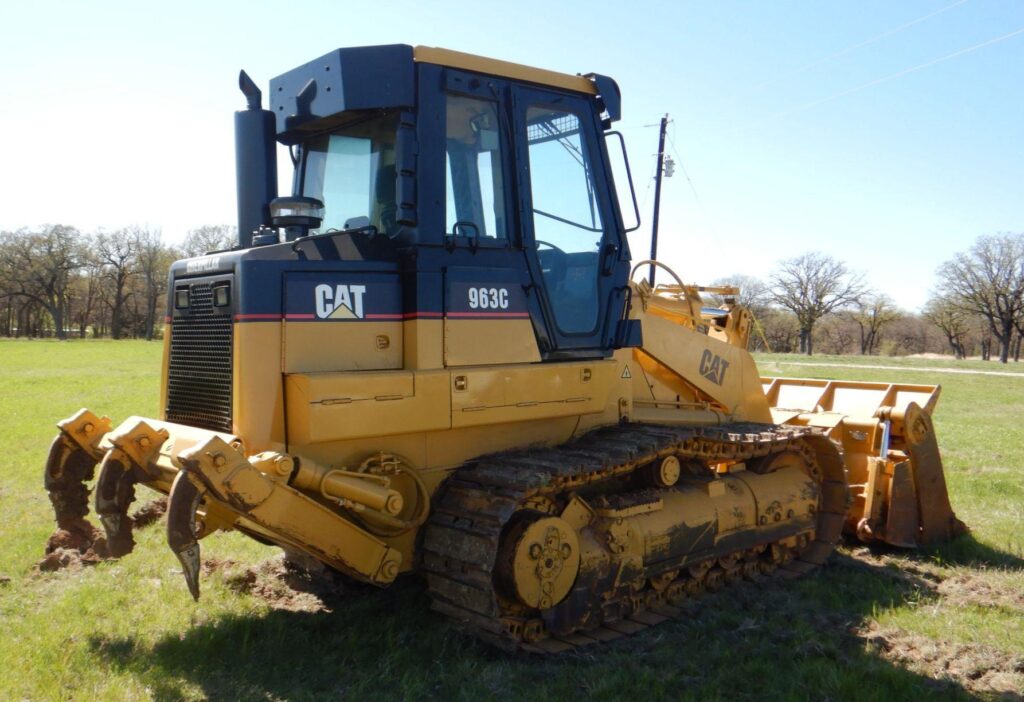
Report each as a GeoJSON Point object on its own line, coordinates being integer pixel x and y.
{"type": "Point", "coordinates": [566, 218]}
{"type": "Point", "coordinates": [475, 177]}
{"type": "Point", "coordinates": [353, 172]}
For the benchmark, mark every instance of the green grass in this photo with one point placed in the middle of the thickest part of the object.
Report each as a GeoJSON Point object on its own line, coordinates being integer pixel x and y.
{"type": "Point", "coordinates": [128, 629]}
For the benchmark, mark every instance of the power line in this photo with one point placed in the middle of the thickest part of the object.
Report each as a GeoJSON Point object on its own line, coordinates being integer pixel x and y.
{"type": "Point", "coordinates": [693, 189]}
{"type": "Point", "coordinates": [859, 45]}
{"type": "Point", "coordinates": [892, 76]}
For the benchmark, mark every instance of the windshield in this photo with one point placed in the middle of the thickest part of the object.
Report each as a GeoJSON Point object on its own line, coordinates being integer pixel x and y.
{"type": "Point", "coordinates": [352, 170]}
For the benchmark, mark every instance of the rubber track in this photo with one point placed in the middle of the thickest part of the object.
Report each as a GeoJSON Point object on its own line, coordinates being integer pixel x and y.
{"type": "Point", "coordinates": [462, 537]}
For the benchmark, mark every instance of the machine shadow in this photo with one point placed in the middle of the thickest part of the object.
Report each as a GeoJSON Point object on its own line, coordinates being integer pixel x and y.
{"type": "Point", "coordinates": [767, 640]}
{"type": "Point", "coordinates": [968, 551]}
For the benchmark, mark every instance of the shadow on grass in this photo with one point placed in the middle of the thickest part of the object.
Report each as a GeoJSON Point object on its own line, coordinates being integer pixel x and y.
{"type": "Point", "coordinates": [802, 639]}
{"type": "Point", "coordinates": [966, 550]}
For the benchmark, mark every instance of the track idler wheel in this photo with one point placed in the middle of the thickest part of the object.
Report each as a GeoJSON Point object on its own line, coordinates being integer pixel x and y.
{"type": "Point", "coordinates": [182, 528]}
{"type": "Point", "coordinates": [540, 560]}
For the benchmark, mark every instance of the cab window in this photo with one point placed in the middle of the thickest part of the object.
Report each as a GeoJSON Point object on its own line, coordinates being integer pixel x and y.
{"type": "Point", "coordinates": [352, 171]}
{"type": "Point", "coordinates": [567, 226]}
{"type": "Point", "coordinates": [475, 203]}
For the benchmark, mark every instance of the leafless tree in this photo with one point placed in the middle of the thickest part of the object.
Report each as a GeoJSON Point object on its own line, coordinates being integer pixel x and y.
{"type": "Point", "coordinates": [871, 315]}
{"type": "Point", "coordinates": [38, 266]}
{"type": "Point", "coordinates": [988, 279]}
{"type": "Point", "coordinates": [207, 238]}
{"type": "Point", "coordinates": [117, 252]}
{"type": "Point", "coordinates": [781, 331]}
{"type": "Point", "coordinates": [754, 294]}
{"type": "Point", "coordinates": [153, 260]}
{"type": "Point", "coordinates": [812, 286]}
{"type": "Point", "coordinates": [953, 320]}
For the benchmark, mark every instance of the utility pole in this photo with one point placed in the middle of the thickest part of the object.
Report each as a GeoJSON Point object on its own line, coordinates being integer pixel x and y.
{"type": "Point", "coordinates": [657, 195]}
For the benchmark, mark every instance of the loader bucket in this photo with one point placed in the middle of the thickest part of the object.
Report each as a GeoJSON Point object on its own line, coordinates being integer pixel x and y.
{"type": "Point", "coordinates": [893, 465]}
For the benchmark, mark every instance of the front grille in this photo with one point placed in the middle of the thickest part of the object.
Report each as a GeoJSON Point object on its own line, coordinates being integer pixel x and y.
{"type": "Point", "coordinates": [199, 370]}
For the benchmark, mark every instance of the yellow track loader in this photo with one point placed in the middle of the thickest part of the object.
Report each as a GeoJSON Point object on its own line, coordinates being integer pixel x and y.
{"type": "Point", "coordinates": [431, 357]}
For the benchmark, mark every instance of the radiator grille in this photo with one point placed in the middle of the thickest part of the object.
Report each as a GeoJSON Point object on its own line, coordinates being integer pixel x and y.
{"type": "Point", "coordinates": [199, 369]}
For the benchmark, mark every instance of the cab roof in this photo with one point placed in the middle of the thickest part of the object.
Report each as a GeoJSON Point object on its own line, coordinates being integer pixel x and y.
{"type": "Point", "coordinates": [316, 94]}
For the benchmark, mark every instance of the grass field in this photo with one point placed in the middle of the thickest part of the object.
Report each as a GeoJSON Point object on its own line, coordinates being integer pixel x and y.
{"type": "Point", "coordinates": [872, 625]}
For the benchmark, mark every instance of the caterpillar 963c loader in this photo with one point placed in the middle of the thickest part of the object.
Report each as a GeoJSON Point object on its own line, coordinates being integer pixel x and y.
{"type": "Point", "coordinates": [430, 357]}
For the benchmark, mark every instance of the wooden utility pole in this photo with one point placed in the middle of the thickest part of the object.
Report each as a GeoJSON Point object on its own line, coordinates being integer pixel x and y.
{"type": "Point", "coordinates": [657, 196]}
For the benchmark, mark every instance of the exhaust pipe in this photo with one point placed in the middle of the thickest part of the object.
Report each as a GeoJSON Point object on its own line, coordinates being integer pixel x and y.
{"type": "Point", "coordinates": [255, 161]}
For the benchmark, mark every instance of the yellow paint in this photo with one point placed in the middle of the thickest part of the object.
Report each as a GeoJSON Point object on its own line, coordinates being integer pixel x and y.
{"type": "Point", "coordinates": [333, 346]}
{"type": "Point", "coordinates": [502, 394]}
{"type": "Point", "coordinates": [257, 387]}
{"type": "Point", "coordinates": [338, 406]}
{"type": "Point", "coordinates": [474, 342]}
{"type": "Point", "coordinates": [423, 347]}
{"type": "Point", "coordinates": [505, 69]}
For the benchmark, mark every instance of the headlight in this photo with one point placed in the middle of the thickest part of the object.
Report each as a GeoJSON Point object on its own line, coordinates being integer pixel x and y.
{"type": "Point", "coordinates": [181, 298]}
{"type": "Point", "coordinates": [222, 296]}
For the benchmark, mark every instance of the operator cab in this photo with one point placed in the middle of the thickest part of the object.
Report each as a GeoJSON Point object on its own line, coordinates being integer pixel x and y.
{"type": "Point", "coordinates": [487, 183]}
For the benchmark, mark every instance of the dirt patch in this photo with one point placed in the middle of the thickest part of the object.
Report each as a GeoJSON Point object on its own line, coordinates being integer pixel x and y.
{"type": "Point", "coordinates": [78, 543]}
{"type": "Point", "coordinates": [976, 668]}
{"type": "Point", "coordinates": [285, 585]}
{"type": "Point", "coordinates": [149, 513]}
{"type": "Point", "coordinates": [979, 591]}
{"type": "Point", "coordinates": [209, 566]}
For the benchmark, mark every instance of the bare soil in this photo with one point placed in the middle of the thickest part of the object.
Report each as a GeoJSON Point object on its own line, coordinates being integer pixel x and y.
{"type": "Point", "coordinates": [150, 513]}
{"type": "Point", "coordinates": [286, 586]}
{"type": "Point", "coordinates": [977, 668]}
{"type": "Point", "coordinates": [79, 543]}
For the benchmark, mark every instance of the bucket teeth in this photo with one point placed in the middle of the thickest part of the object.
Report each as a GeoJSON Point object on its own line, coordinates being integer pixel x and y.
{"type": "Point", "coordinates": [181, 528]}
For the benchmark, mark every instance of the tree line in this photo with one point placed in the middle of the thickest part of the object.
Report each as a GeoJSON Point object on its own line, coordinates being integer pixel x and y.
{"type": "Point", "coordinates": [815, 302]}
{"type": "Point", "coordinates": [59, 281]}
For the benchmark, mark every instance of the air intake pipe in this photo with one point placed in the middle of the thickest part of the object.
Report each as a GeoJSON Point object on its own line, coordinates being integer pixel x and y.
{"type": "Point", "coordinates": [255, 161]}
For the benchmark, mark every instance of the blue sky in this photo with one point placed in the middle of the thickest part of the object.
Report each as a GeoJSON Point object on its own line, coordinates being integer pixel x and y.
{"type": "Point", "coordinates": [797, 122]}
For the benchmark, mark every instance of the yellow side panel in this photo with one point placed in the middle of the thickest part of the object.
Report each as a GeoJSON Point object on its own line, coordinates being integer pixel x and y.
{"type": "Point", "coordinates": [258, 405]}
{"type": "Point", "coordinates": [517, 393]}
{"type": "Point", "coordinates": [721, 371]}
{"type": "Point", "coordinates": [422, 344]}
{"type": "Point", "coordinates": [311, 347]}
{"type": "Point", "coordinates": [340, 406]}
{"type": "Point", "coordinates": [472, 342]}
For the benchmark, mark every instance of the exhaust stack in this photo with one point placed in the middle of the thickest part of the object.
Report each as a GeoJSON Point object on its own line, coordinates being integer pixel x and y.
{"type": "Point", "coordinates": [255, 161]}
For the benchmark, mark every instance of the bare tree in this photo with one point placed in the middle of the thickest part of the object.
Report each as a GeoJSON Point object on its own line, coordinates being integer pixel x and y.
{"type": "Point", "coordinates": [117, 252]}
{"type": "Point", "coordinates": [207, 238]}
{"type": "Point", "coordinates": [754, 294]}
{"type": "Point", "coordinates": [872, 314]}
{"type": "Point", "coordinates": [988, 279]}
{"type": "Point", "coordinates": [812, 286]}
{"type": "Point", "coordinates": [781, 331]}
{"type": "Point", "coordinates": [154, 259]}
{"type": "Point", "coordinates": [38, 267]}
{"type": "Point", "coordinates": [953, 320]}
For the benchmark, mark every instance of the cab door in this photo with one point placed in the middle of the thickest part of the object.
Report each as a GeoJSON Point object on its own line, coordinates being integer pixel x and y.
{"type": "Point", "coordinates": [572, 236]}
